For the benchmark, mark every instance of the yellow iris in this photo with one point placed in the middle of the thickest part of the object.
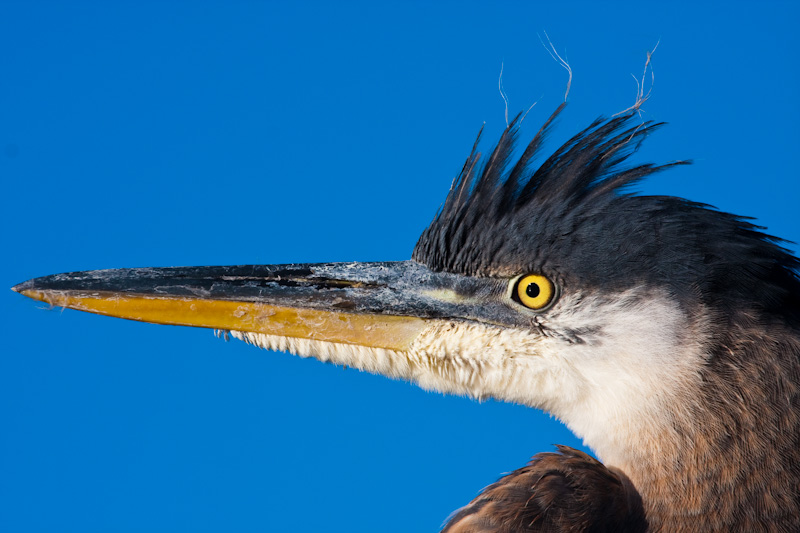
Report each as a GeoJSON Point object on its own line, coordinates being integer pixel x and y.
{"type": "Point", "coordinates": [535, 291]}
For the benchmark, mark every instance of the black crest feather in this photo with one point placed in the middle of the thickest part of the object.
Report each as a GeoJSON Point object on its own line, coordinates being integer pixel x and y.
{"type": "Point", "coordinates": [486, 196]}
{"type": "Point", "coordinates": [571, 218]}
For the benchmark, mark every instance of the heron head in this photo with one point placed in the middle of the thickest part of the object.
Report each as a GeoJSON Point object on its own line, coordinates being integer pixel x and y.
{"type": "Point", "coordinates": [549, 286]}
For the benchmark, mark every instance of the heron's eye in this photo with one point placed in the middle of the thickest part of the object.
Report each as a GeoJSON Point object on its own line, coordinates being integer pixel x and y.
{"type": "Point", "coordinates": [534, 291]}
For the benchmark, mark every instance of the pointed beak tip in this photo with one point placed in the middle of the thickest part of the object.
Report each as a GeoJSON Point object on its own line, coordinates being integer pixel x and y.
{"type": "Point", "coordinates": [22, 287]}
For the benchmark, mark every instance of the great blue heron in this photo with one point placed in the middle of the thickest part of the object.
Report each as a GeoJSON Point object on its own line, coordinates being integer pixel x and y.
{"type": "Point", "coordinates": [661, 331]}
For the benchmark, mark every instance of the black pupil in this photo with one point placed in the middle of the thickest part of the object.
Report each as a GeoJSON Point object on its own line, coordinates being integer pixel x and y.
{"type": "Point", "coordinates": [532, 290]}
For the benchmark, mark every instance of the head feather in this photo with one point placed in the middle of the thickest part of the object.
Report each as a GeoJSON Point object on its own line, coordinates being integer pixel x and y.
{"type": "Point", "coordinates": [572, 219]}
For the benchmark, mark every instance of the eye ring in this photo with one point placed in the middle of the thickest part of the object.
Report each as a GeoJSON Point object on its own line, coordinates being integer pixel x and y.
{"type": "Point", "coordinates": [534, 291]}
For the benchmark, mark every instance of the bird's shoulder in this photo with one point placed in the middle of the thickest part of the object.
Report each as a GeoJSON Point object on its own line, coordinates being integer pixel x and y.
{"type": "Point", "coordinates": [564, 491]}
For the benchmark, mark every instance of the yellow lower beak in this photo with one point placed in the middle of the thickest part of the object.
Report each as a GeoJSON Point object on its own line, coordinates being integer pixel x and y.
{"type": "Point", "coordinates": [373, 330]}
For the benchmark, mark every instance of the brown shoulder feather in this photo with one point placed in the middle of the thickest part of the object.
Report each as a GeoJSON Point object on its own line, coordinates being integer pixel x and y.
{"type": "Point", "coordinates": [568, 491]}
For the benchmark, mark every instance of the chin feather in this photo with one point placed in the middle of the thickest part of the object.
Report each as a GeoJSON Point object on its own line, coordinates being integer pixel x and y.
{"type": "Point", "coordinates": [451, 357]}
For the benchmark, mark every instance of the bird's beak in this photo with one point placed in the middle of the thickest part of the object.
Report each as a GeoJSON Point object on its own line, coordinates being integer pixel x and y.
{"type": "Point", "coordinates": [379, 305]}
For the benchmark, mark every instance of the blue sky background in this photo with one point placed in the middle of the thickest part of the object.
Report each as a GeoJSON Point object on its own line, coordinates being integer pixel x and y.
{"type": "Point", "coordinates": [194, 133]}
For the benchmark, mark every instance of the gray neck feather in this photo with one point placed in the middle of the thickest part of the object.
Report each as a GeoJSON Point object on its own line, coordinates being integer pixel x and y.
{"type": "Point", "coordinates": [737, 467]}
